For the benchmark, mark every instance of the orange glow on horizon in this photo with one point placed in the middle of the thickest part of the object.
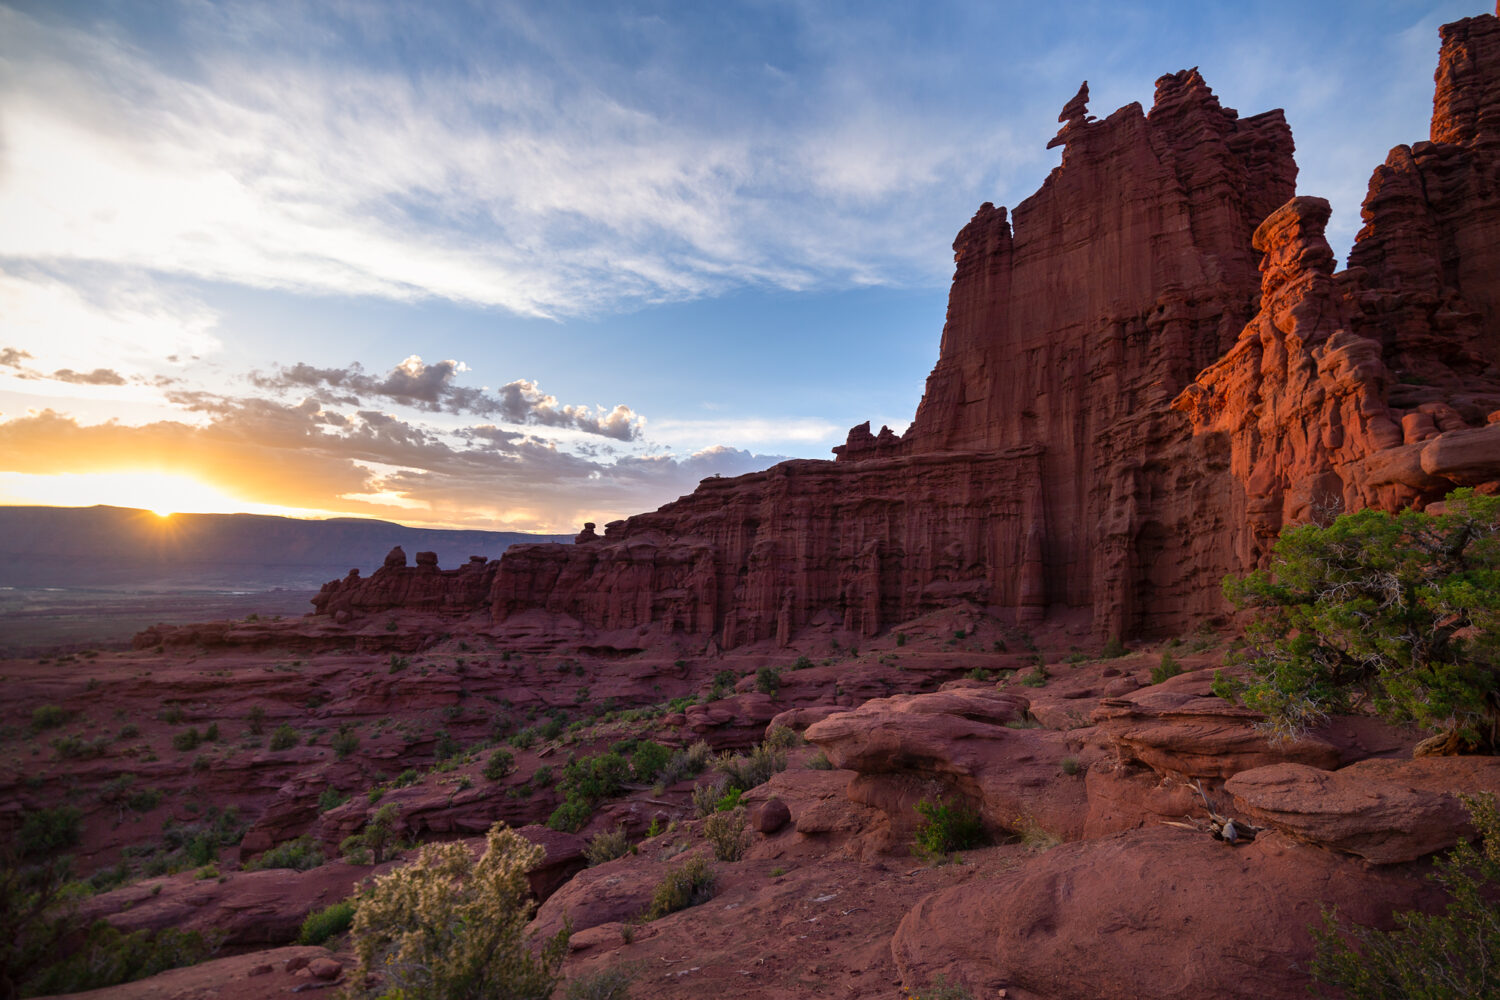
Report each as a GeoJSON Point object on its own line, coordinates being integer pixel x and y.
{"type": "Point", "coordinates": [162, 493]}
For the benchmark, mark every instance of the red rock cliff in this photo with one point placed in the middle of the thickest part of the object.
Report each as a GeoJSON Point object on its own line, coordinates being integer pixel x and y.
{"type": "Point", "coordinates": [1144, 374]}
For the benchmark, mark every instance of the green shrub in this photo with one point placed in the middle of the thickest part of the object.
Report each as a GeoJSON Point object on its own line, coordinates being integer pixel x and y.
{"type": "Point", "coordinates": [688, 884]}
{"type": "Point", "coordinates": [284, 738]}
{"type": "Point", "coordinates": [446, 746]}
{"type": "Point", "coordinates": [49, 717]}
{"type": "Point", "coordinates": [607, 846]}
{"type": "Point", "coordinates": [257, 719]}
{"type": "Point", "coordinates": [1037, 678]}
{"type": "Point", "coordinates": [1401, 612]}
{"type": "Point", "coordinates": [571, 816]}
{"type": "Point", "coordinates": [585, 783]}
{"type": "Point", "coordinates": [326, 923]}
{"type": "Point", "coordinates": [725, 832]}
{"type": "Point", "coordinates": [379, 834]}
{"type": "Point", "coordinates": [398, 664]}
{"type": "Point", "coordinates": [649, 760]}
{"type": "Point", "coordinates": [1428, 956]}
{"type": "Point", "coordinates": [684, 763]}
{"type": "Point", "coordinates": [331, 798]}
{"type": "Point", "coordinates": [108, 957]}
{"type": "Point", "coordinates": [946, 827]}
{"type": "Point", "coordinates": [300, 855]}
{"type": "Point", "coordinates": [74, 747]}
{"type": "Point", "coordinates": [408, 777]}
{"type": "Point", "coordinates": [900, 638]}
{"type": "Point", "coordinates": [502, 764]}
{"type": "Point", "coordinates": [820, 762]}
{"type": "Point", "coordinates": [706, 796]}
{"type": "Point", "coordinates": [345, 741]}
{"type": "Point", "coordinates": [129, 731]}
{"type": "Point", "coordinates": [171, 714]}
{"type": "Point", "coordinates": [1169, 667]}
{"type": "Point", "coordinates": [781, 738]}
{"type": "Point", "coordinates": [768, 681]}
{"type": "Point", "coordinates": [941, 989]}
{"type": "Point", "coordinates": [447, 927]}
{"type": "Point", "coordinates": [747, 772]}
{"type": "Point", "coordinates": [1113, 649]}
{"type": "Point", "coordinates": [607, 984]}
{"type": "Point", "coordinates": [47, 831]}
{"type": "Point", "coordinates": [723, 684]}
{"type": "Point", "coordinates": [1070, 766]}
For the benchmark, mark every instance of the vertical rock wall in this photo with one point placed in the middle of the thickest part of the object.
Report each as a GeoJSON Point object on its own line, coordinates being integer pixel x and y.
{"type": "Point", "coordinates": [1147, 370]}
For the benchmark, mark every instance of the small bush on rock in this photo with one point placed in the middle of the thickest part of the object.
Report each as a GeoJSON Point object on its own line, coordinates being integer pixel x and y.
{"type": "Point", "coordinates": [500, 765]}
{"type": "Point", "coordinates": [606, 846]}
{"type": "Point", "coordinates": [726, 833]}
{"type": "Point", "coordinates": [1428, 956]}
{"type": "Point", "coordinates": [1169, 667]}
{"type": "Point", "coordinates": [689, 884]}
{"type": "Point", "coordinates": [284, 738]}
{"type": "Point", "coordinates": [1400, 612]}
{"type": "Point", "coordinates": [607, 984]}
{"type": "Point", "coordinates": [946, 827]}
{"type": "Point", "coordinates": [328, 922]}
{"type": "Point", "coordinates": [446, 927]}
{"type": "Point", "coordinates": [299, 855]}
{"type": "Point", "coordinates": [768, 681]}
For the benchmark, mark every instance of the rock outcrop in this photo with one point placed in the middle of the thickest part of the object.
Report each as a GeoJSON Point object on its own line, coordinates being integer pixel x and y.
{"type": "Point", "coordinates": [423, 587]}
{"type": "Point", "coordinates": [1147, 370]}
{"type": "Point", "coordinates": [1179, 916]}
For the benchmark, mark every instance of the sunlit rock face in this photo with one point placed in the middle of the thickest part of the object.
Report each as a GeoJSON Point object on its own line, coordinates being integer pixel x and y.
{"type": "Point", "coordinates": [1148, 368]}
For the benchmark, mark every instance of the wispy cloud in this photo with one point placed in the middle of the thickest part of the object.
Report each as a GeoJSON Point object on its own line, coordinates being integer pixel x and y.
{"type": "Point", "coordinates": [493, 181]}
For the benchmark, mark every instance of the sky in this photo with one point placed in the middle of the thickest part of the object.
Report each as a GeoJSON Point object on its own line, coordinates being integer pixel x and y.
{"type": "Point", "coordinates": [517, 266]}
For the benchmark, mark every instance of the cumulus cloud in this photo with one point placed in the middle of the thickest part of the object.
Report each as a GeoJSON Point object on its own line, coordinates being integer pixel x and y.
{"type": "Point", "coordinates": [11, 357]}
{"type": "Point", "coordinates": [305, 455]}
{"type": "Point", "coordinates": [431, 387]}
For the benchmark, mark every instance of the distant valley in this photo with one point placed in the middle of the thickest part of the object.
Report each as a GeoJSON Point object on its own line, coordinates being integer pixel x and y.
{"type": "Point", "coordinates": [71, 575]}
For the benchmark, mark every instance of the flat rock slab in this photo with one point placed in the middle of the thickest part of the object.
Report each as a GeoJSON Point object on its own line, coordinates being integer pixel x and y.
{"type": "Point", "coordinates": [1159, 912]}
{"type": "Point", "coordinates": [1181, 733]}
{"type": "Point", "coordinates": [1383, 810]}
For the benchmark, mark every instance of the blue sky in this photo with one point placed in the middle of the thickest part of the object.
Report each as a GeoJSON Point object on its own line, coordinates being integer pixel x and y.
{"type": "Point", "coordinates": [526, 264]}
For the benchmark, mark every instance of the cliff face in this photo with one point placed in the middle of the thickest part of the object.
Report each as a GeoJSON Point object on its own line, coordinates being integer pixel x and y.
{"type": "Point", "coordinates": [1145, 373]}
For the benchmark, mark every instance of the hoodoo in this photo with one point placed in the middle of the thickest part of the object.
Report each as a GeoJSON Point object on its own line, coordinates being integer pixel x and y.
{"type": "Point", "coordinates": [1147, 369]}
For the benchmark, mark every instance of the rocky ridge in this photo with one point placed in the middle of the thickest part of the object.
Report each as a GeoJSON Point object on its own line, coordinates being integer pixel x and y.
{"type": "Point", "coordinates": [1207, 377]}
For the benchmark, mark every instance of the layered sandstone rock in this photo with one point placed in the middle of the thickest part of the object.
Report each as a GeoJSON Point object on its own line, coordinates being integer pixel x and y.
{"type": "Point", "coordinates": [1385, 811]}
{"type": "Point", "coordinates": [956, 745]}
{"type": "Point", "coordinates": [422, 587]}
{"type": "Point", "coordinates": [1147, 370]}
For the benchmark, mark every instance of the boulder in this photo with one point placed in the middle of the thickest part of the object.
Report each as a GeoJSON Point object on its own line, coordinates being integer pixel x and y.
{"type": "Point", "coordinates": [1385, 811]}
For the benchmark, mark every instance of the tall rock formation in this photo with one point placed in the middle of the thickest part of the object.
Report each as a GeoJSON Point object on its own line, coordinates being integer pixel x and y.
{"type": "Point", "coordinates": [1147, 370]}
